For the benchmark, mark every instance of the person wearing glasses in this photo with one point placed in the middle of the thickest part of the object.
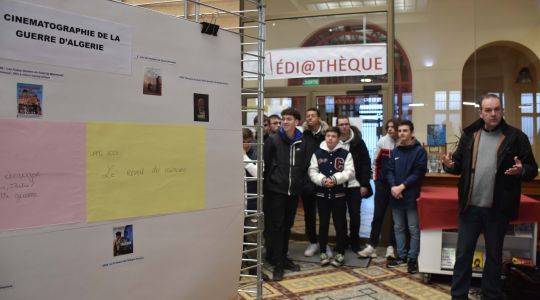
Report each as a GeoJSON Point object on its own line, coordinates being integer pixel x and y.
{"type": "Point", "coordinates": [358, 187]}
{"type": "Point", "coordinates": [274, 124]}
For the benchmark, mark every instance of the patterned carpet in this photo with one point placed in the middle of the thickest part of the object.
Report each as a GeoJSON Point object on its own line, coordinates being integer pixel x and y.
{"type": "Point", "coordinates": [314, 282]}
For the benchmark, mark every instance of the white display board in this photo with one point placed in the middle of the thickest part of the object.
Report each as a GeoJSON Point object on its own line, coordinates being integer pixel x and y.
{"type": "Point", "coordinates": [116, 120]}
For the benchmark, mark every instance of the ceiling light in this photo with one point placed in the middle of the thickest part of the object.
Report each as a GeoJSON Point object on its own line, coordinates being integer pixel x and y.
{"type": "Point", "coordinates": [470, 104]}
{"type": "Point", "coordinates": [416, 104]}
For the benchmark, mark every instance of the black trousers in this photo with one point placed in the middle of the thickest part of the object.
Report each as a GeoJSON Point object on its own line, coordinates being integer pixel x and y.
{"type": "Point", "coordinates": [354, 200]}
{"type": "Point", "coordinates": [338, 209]}
{"type": "Point", "coordinates": [472, 222]}
{"type": "Point", "coordinates": [279, 213]}
{"type": "Point", "coordinates": [382, 201]}
{"type": "Point", "coordinates": [309, 202]}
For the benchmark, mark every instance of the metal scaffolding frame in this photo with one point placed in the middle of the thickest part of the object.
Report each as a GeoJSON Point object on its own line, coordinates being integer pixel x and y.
{"type": "Point", "coordinates": [253, 46]}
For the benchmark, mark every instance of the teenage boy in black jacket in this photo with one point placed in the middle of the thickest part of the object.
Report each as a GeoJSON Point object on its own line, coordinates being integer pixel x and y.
{"type": "Point", "coordinates": [285, 174]}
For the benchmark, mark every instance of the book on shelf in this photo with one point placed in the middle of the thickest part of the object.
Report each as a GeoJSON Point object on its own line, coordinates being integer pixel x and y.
{"type": "Point", "coordinates": [448, 258]}
{"type": "Point", "coordinates": [523, 230]}
{"type": "Point", "coordinates": [478, 260]}
{"type": "Point", "coordinates": [522, 261]}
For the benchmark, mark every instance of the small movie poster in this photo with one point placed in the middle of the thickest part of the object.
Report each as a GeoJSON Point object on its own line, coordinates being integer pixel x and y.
{"type": "Point", "coordinates": [123, 240]}
{"type": "Point", "coordinates": [152, 82]}
{"type": "Point", "coordinates": [436, 135]}
{"type": "Point", "coordinates": [200, 108]}
{"type": "Point", "coordinates": [29, 100]}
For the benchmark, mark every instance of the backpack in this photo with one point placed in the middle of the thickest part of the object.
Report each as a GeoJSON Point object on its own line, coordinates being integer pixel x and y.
{"type": "Point", "coordinates": [522, 282]}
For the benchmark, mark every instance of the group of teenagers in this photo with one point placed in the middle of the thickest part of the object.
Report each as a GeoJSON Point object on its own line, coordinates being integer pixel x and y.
{"type": "Point", "coordinates": [330, 169]}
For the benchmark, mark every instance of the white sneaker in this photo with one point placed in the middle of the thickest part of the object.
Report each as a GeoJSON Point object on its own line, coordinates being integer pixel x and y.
{"type": "Point", "coordinates": [390, 252]}
{"type": "Point", "coordinates": [367, 252]}
{"type": "Point", "coordinates": [329, 251]}
{"type": "Point", "coordinates": [311, 249]}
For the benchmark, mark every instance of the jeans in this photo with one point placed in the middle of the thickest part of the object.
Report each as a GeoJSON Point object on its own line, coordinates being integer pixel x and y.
{"type": "Point", "coordinates": [402, 218]}
{"type": "Point", "coordinates": [472, 222]}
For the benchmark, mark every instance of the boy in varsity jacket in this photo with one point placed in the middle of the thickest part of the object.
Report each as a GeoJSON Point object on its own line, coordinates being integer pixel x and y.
{"type": "Point", "coordinates": [330, 168]}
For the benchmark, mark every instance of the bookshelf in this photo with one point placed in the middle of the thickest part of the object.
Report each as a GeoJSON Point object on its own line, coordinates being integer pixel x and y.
{"type": "Point", "coordinates": [435, 254]}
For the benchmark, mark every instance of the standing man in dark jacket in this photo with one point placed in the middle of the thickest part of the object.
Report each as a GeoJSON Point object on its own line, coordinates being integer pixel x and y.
{"type": "Point", "coordinates": [359, 186]}
{"type": "Point", "coordinates": [406, 169]}
{"type": "Point", "coordinates": [285, 165]}
{"type": "Point", "coordinates": [492, 159]}
{"type": "Point", "coordinates": [314, 132]}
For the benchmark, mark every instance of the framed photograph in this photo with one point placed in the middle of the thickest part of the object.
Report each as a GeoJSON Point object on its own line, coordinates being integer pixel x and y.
{"type": "Point", "coordinates": [200, 108]}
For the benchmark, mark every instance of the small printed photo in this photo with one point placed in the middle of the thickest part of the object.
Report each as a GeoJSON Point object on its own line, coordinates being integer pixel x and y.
{"type": "Point", "coordinates": [152, 82]}
{"type": "Point", "coordinates": [29, 100]}
{"type": "Point", "coordinates": [200, 108]}
{"type": "Point", "coordinates": [436, 134]}
{"type": "Point", "coordinates": [123, 240]}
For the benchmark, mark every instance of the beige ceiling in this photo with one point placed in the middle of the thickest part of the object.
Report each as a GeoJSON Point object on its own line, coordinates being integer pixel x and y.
{"type": "Point", "coordinates": [280, 9]}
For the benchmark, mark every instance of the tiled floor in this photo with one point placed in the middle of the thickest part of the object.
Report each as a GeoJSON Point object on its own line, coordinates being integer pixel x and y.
{"type": "Point", "coordinates": [374, 282]}
{"type": "Point", "coordinates": [366, 215]}
{"type": "Point", "coordinates": [314, 282]}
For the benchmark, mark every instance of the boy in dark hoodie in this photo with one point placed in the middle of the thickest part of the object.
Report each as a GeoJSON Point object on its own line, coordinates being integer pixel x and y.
{"type": "Point", "coordinates": [406, 169]}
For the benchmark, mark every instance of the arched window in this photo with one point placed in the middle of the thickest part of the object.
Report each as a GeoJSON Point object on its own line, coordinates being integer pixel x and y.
{"type": "Point", "coordinates": [351, 32]}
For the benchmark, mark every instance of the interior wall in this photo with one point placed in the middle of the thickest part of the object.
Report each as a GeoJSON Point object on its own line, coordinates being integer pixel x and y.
{"type": "Point", "coordinates": [438, 40]}
{"type": "Point", "coordinates": [177, 254]}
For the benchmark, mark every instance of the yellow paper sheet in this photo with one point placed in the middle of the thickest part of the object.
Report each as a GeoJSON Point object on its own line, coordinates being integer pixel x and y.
{"type": "Point", "coordinates": [136, 170]}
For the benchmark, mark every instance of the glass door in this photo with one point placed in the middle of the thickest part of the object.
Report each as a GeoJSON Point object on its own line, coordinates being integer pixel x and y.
{"type": "Point", "coordinates": [365, 111]}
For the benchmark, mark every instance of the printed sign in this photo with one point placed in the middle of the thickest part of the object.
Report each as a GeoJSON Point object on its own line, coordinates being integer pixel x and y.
{"type": "Point", "coordinates": [44, 35]}
{"type": "Point", "coordinates": [323, 61]}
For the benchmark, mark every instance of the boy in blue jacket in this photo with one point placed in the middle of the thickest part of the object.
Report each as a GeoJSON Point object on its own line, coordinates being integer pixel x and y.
{"type": "Point", "coordinates": [406, 169]}
{"type": "Point", "coordinates": [330, 169]}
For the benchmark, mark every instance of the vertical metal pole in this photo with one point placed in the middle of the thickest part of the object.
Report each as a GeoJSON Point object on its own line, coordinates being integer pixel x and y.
{"type": "Point", "coordinates": [186, 11]}
{"type": "Point", "coordinates": [364, 28]}
{"type": "Point", "coordinates": [197, 7]}
{"type": "Point", "coordinates": [260, 112]}
{"type": "Point", "coordinates": [388, 106]}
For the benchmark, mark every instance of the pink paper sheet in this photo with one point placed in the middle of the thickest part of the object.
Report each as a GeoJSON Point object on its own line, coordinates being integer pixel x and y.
{"type": "Point", "coordinates": [42, 173]}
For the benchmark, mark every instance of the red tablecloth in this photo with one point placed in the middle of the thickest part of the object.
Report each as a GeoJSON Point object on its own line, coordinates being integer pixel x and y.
{"type": "Point", "coordinates": [438, 208]}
